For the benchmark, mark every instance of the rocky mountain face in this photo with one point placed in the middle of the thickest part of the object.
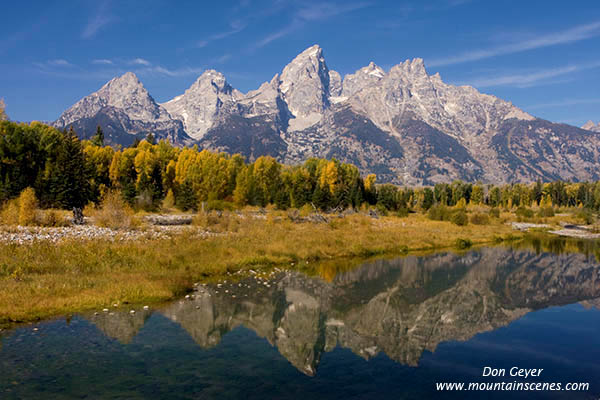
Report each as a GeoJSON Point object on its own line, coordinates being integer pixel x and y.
{"type": "Point", "coordinates": [202, 104]}
{"type": "Point", "coordinates": [405, 125]}
{"type": "Point", "coordinates": [591, 126]}
{"type": "Point", "coordinates": [125, 110]}
{"type": "Point", "coordinates": [400, 307]}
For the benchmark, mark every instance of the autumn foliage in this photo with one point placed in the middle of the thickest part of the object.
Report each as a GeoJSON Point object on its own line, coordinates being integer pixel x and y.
{"type": "Point", "coordinates": [66, 172]}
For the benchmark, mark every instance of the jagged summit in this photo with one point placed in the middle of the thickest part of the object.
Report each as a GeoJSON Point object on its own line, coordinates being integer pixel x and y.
{"type": "Point", "coordinates": [127, 80]}
{"type": "Point", "coordinates": [201, 104]}
{"type": "Point", "coordinates": [364, 77]}
{"type": "Point", "coordinates": [126, 77]}
{"type": "Point", "coordinates": [414, 66]}
{"type": "Point", "coordinates": [373, 69]}
{"type": "Point", "coordinates": [314, 51]}
{"type": "Point", "coordinates": [305, 83]}
{"type": "Point", "coordinates": [215, 78]}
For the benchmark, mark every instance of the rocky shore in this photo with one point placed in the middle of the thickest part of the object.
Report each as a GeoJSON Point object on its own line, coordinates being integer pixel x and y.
{"type": "Point", "coordinates": [27, 235]}
{"type": "Point", "coordinates": [567, 230]}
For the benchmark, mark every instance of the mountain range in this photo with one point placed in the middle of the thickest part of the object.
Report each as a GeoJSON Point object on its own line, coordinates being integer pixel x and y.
{"type": "Point", "coordinates": [404, 125]}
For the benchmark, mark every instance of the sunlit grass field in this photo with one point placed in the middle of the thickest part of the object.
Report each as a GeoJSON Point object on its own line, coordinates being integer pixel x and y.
{"type": "Point", "coordinates": [44, 279]}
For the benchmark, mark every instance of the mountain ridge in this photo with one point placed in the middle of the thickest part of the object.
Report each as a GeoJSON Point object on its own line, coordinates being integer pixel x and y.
{"type": "Point", "coordinates": [405, 125]}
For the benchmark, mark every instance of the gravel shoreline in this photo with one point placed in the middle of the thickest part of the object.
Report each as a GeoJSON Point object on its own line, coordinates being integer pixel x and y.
{"type": "Point", "coordinates": [27, 234]}
{"type": "Point", "coordinates": [568, 230]}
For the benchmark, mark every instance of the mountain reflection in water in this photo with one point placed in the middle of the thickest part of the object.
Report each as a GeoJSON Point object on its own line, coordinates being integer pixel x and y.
{"type": "Point", "coordinates": [399, 307]}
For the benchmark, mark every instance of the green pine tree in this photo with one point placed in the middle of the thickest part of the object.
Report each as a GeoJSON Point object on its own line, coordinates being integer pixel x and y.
{"type": "Point", "coordinates": [98, 138]}
{"type": "Point", "coordinates": [151, 139]}
{"type": "Point", "coordinates": [186, 198]}
{"type": "Point", "coordinates": [69, 184]}
{"type": "Point", "coordinates": [321, 197]}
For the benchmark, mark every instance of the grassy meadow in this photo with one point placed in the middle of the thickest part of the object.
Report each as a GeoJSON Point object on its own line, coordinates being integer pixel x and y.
{"type": "Point", "coordinates": [45, 279]}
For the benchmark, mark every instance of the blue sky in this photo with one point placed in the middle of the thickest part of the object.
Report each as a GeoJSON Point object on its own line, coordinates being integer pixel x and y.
{"type": "Point", "coordinates": [541, 55]}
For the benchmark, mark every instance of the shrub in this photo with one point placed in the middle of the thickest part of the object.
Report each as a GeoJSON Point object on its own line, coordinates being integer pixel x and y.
{"type": "Point", "coordinates": [306, 210]}
{"type": "Point", "coordinates": [524, 212]}
{"type": "Point", "coordinates": [9, 214]}
{"type": "Point", "coordinates": [402, 212]}
{"type": "Point", "coordinates": [89, 209]}
{"type": "Point", "coordinates": [27, 207]}
{"type": "Point", "coordinates": [546, 212]}
{"type": "Point", "coordinates": [216, 221]}
{"type": "Point", "coordinates": [480, 219]}
{"type": "Point", "coordinates": [459, 218]}
{"type": "Point", "coordinates": [462, 203]}
{"type": "Point", "coordinates": [216, 205]}
{"type": "Point", "coordinates": [169, 200]}
{"type": "Point", "coordinates": [494, 212]}
{"type": "Point", "coordinates": [293, 214]}
{"type": "Point", "coordinates": [114, 212]}
{"type": "Point", "coordinates": [144, 201]}
{"type": "Point", "coordinates": [439, 213]}
{"type": "Point", "coordinates": [586, 216]}
{"type": "Point", "coordinates": [463, 243]}
{"type": "Point", "coordinates": [52, 218]}
{"type": "Point", "coordinates": [381, 209]}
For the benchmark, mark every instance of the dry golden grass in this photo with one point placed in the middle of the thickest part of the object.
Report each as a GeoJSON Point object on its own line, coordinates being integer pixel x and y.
{"type": "Point", "coordinates": [217, 222]}
{"type": "Point", "coordinates": [42, 280]}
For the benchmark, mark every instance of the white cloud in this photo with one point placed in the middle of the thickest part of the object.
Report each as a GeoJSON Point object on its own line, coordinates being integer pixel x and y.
{"type": "Point", "coordinates": [521, 79]}
{"type": "Point", "coordinates": [532, 78]}
{"type": "Point", "coordinates": [236, 26]}
{"type": "Point", "coordinates": [577, 33]}
{"type": "Point", "coordinates": [140, 61]}
{"type": "Point", "coordinates": [60, 62]}
{"type": "Point", "coordinates": [185, 71]}
{"type": "Point", "coordinates": [326, 10]}
{"type": "Point", "coordinates": [445, 5]}
{"type": "Point", "coordinates": [312, 12]}
{"type": "Point", "coordinates": [102, 61]}
{"type": "Point", "coordinates": [100, 19]}
{"type": "Point", "coordinates": [279, 34]}
{"type": "Point", "coordinates": [564, 103]}
{"type": "Point", "coordinates": [222, 59]}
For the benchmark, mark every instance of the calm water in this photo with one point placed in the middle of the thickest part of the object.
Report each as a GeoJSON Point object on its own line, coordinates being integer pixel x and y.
{"type": "Point", "coordinates": [381, 330]}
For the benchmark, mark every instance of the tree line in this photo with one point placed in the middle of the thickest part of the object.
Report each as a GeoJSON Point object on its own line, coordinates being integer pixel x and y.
{"type": "Point", "coordinates": [67, 172]}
